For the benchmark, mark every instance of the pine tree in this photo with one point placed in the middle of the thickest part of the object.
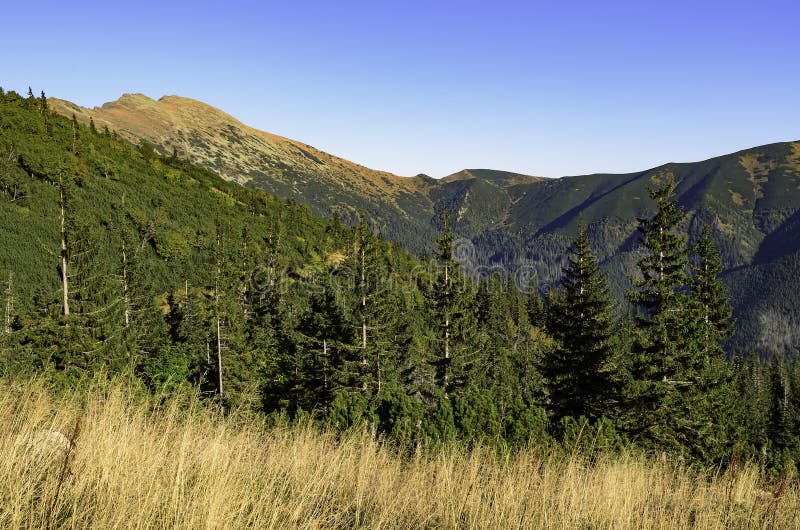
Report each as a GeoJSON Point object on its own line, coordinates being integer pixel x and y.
{"type": "Point", "coordinates": [450, 300]}
{"type": "Point", "coordinates": [714, 394]}
{"type": "Point", "coordinates": [667, 358]}
{"type": "Point", "coordinates": [267, 333]}
{"type": "Point", "coordinates": [328, 362]}
{"type": "Point", "coordinates": [373, 309]}
{"type": "Point", "coordinates": [578, 370]}
{"type": "Point", "coordinates": [779, 424]}
{"type": "Point", "coordinates": [710, 294]}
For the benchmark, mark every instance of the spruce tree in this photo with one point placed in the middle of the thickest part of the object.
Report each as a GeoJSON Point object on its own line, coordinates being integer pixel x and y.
{"type": "Point", "coordinates": [751, 405]}
{"type": "Point", "coordinates": [578, 371]}
{"type": "Point", "coordinates": [326, 363]}
{"type": "Point", "coordinates": [450, 300]}
{"type": "Point", "coordinates": [266, 329]}
{"type": "Point", "coordinates": [373, 307]}
{"type": "Point", "coordinates": [779, 417]}
{"type": "Point", "coordinates": [192, 333]}
{"type": "Point", "coordinates": [667, 355]}
{"type": "Point", "coordinates": [715, 393]}
{"type": "Point", "coordinates": [710, 294]}
{"type": "Point", "coordinates": [484, 409]}
{"type": "Point", "coordinates": [236, 364]}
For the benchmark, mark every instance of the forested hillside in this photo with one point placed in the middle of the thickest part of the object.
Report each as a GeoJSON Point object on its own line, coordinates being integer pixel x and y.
{"type": "Point", "coordinates": [117, 258]}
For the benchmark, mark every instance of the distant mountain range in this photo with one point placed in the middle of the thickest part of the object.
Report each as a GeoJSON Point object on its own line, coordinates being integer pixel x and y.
{"type": "Point", "coordinates": [751, 200]}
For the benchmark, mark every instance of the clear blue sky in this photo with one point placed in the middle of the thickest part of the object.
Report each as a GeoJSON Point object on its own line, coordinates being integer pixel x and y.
{"type": "Point", "coordinates": [546, 88]}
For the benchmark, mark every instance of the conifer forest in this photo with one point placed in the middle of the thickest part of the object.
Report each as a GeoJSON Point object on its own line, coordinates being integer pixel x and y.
{"type": "Point", "coordinates": [121, 260]}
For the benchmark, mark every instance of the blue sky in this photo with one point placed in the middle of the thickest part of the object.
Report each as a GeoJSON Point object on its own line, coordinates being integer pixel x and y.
{"type": "Point", "coordinates": [545, 88]}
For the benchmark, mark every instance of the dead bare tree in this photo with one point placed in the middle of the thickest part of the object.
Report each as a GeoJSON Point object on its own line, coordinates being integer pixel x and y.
{"type": "Point", "coordinates": [63, 229]}
{"type": "Point", "coordinates": [9, 303]}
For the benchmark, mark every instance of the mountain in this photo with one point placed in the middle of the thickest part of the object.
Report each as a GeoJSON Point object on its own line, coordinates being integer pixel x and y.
{"type": "Point", "coordinates": [211, 138]}
{"type": "Point", "coordinates": [521, 223]}
{"type": "Point", "coordinates": [117, 260]}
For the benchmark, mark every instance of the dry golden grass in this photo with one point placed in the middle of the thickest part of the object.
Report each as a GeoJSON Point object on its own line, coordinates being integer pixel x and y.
{"type": "Point", "coordinates": [178, 466]}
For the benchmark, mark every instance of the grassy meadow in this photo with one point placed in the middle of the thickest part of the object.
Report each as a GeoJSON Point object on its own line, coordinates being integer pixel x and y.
{"type": "Point", "coordinates": [133, 462]}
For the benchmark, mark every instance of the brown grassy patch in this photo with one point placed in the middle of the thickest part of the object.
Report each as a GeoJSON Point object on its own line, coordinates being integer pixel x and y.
{"type": "Point", "coordinates": [737, 198]}
{"type": "Point", "coordinates": [335, 258]}
{"type": "Point", "coordinates": [757, 171]}
{"type": "Point", "coordinates": [793, 159]}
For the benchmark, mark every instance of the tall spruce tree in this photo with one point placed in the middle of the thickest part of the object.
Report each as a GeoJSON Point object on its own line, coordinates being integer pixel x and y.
{"type": "Point", "coordinates": [715, 393]}
{"type": "Point", "coordinates": [710, 294]}
{"type": "Point", "coordinates": [667, 354]}
{"type": "Point", "coordinates": [451, 302]}
{"type": "Point", "coordinates": [779, 418]}
{"type": "Point", "coordinates": [236, 363]}
{"type": "Point", "coordinates": [266, 328]}
{"type": "Point", "coordinates": [327, 362]}
{"type": "Point", "coordinates": [373, 308]}
{"type": "Point", "coordinates": [749, 406]}
{"type": "Point", "coordinates": [578, 371]}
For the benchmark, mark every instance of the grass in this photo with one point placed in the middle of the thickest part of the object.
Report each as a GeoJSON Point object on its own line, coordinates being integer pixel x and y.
{"type": "Point", "coordinates": [134, 464]}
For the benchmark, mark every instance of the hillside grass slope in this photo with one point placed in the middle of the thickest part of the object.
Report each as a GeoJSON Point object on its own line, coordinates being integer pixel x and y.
{"type": "Point", "coordinates": [141, 462]}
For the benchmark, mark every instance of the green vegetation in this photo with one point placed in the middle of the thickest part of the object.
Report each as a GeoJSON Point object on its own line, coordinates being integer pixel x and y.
{"type": "Point", "coordinates": [578, 369]}
{"type": "Point", "coordinates": [121, 260]}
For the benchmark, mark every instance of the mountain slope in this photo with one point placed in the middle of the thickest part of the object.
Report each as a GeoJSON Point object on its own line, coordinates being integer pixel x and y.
{"type": "Point", "coordinates": [751, 199]}
{"type": "Point", "coordinates": [211, 138]}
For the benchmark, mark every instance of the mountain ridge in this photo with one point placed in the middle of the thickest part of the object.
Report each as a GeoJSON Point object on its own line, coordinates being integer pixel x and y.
{"type": "Point", "coordinates": [288, 168]}
{"type": "Point", "coordinates": [176, 112]}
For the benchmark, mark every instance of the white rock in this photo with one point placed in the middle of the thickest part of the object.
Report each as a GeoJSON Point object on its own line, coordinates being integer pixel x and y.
{"type": "Point", "coordinates": [47, 443]}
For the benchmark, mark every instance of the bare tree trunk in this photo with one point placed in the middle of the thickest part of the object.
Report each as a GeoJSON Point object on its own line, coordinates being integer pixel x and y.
{"type": "Point", "coordinates": [325, 365]}
{"type": "Point", "coordinates": [9, 303]}
{"type": "Point", "coordinates": [219, 324]}
{"type": "Point", "coordinates": [446, 333]}
{"type": "Point", "coordinates": [378, 369]}
{"type": "Point", "coordinates": [64, 281]}
{"type": "Point", "coordinates": [363, 316]}
{"type": "Point", "coordinates": [125, 294]}
{"type": "Point", "coordinates": [219, 357]}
